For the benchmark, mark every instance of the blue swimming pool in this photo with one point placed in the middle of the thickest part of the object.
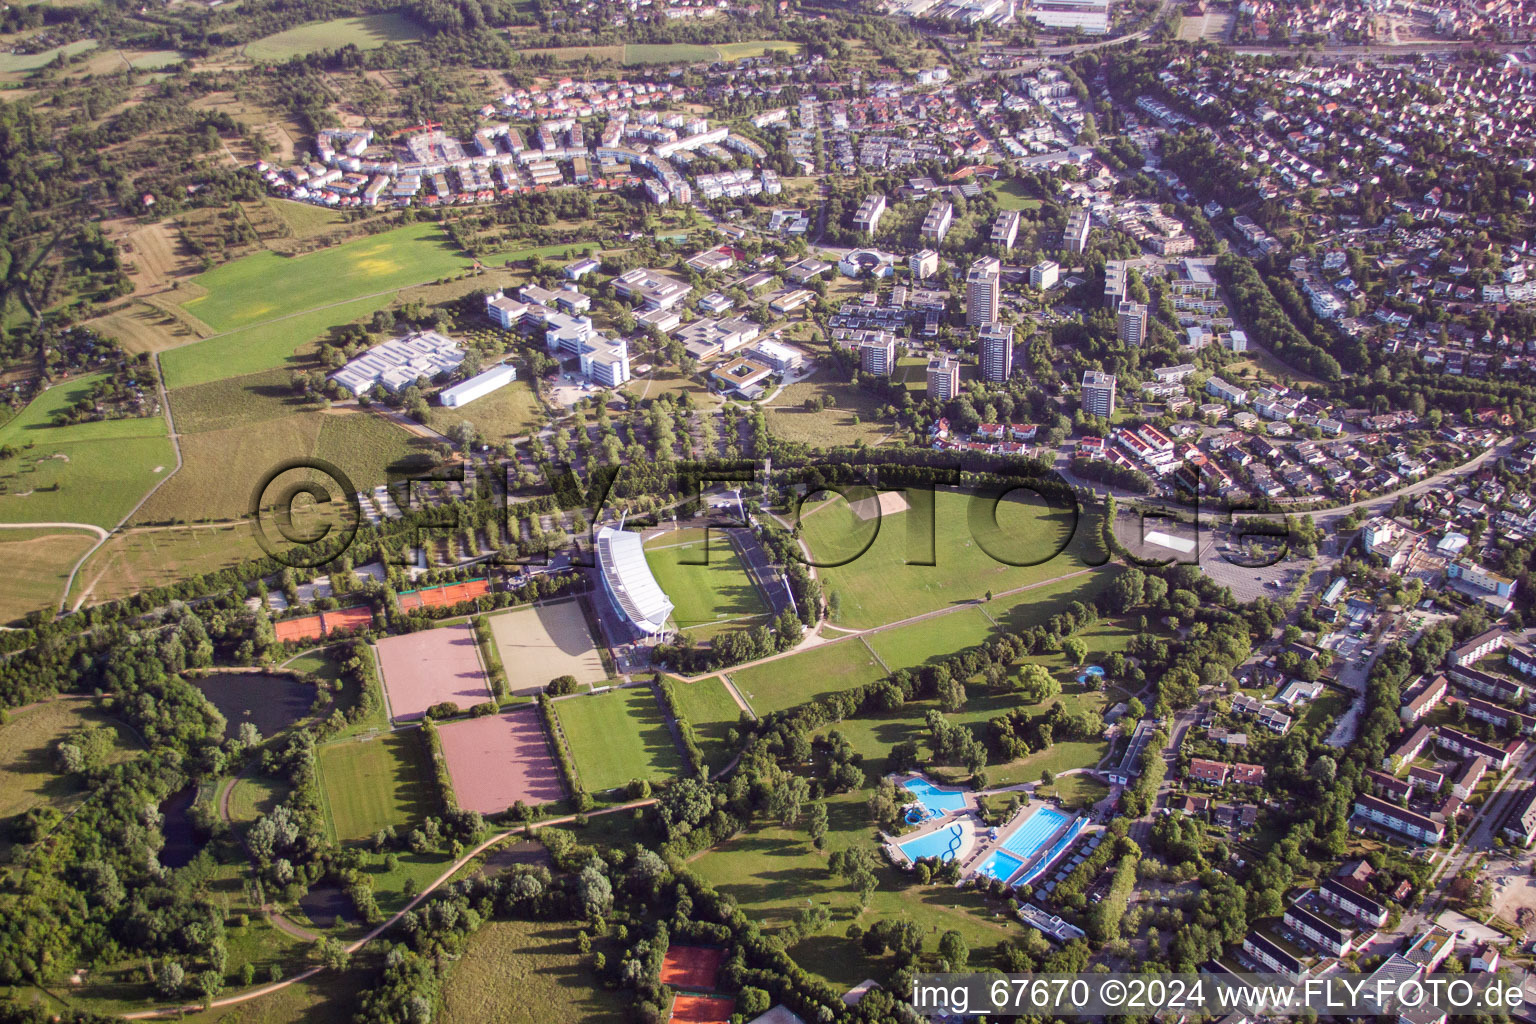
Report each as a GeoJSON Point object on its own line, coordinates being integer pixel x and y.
{"type": "Point", "coordinates": [1000, 865]}
{"type": "Point", "coordinates": [941, 844]}
{"type": "Point", "coordinates": [936, 800]}
{"type": "Point", "coordinates": [1035, 832]}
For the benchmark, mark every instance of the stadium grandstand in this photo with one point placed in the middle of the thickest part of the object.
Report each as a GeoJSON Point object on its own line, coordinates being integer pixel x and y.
{"type": "Point", "coordinates": [628, 582]}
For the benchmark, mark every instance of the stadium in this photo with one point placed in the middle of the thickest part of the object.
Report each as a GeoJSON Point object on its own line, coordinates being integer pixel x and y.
{"type": "Point", "coordinates": [627, 580]}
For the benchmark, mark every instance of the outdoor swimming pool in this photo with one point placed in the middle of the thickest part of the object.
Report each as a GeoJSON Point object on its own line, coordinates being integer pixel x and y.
{"type": "Point", "coordinates": [941, 844]}
{"type": "Point", "coordinates": [1094, 672]}
{"type": "Point", "coordinates": [935, 800]}
{"type": "Point", "coordinates": [1000, 865]}
{"type": "Point", "coordinates": [1034, 833]}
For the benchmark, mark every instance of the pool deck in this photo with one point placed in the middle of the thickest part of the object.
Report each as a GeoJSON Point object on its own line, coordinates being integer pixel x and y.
{"type": "Point", "coordinates": [972, 865]}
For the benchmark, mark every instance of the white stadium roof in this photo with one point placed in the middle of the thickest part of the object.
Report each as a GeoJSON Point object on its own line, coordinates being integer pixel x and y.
{"type": "Point", "coordinates": [628, 580]}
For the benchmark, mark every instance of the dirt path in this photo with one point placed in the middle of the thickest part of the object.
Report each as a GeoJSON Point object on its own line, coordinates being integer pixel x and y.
{"type": "Point", "coordinates": [92, 527]}
{"type": "Point", "coordinates": [741, 702]}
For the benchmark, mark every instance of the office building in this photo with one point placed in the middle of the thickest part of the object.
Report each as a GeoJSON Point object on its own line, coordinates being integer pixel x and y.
{"type": "Point", "coordinates": [996, 344]}
{"type": "Point", "coordinates": [1131, 323]}
{"type": "Point", "coordinates": [983, 292]}
{"type": "Point", "coordinates": [943, 378]}
{"type": "Point", "coordinates": [1098, 393]}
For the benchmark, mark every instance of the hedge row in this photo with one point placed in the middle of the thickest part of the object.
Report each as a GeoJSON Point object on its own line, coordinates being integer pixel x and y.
{"type": "Point", "coordinates": [439, 765]}
{"type": "Point", "coordinates": [684, 728]}
{"type": "Point", "coordinates": [562, 753]}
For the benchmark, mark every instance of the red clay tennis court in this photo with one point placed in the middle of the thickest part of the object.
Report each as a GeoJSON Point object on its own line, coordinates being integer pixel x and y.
{"type": "Point", "coordinates": [441, 597]}
{"type": "Point", "coordinates": [357, 617]}
{"type": "Point", "coordinates": [307, 628]}
{"type": "Point", "coordinates": [498, 760]}
{"type": "Point", "coordinates": [430, 667]}
{"type": "Point", "coordinates": [688, 1009]}
{"type": "Point", "coordinates": [691, 967]}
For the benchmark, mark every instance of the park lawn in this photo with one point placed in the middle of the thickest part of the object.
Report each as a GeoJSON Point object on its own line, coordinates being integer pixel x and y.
{"type": "Point", "coordinates": [222, 468]}
{"type": "Point", "coordinates": [702, 595]}
{"type": "Point", "coordinates": [1012, 196]}
{"type": "Point", "coordinates": [264, 285]}
{"type": "Point", "coordinates": [668, 53]}
{"type": "Point", "coordinates": [366, 33]}
{"type": "Point", "coordinates": [38, 565]}
{"type": "Point", "coordinates": [29, 774]}
{"type": "Point", "coordinates": [526, 972]}
{"type": "Point", "coordinates": [18, 62]}
{"type": "Point", "coordinates": [618, 735]}
{"type": "Point", "coordinates": [511, 411]}
{"type": "Point", "coordinates": [1321, 712]}
{"type": "Point", "coordinates": [372, 784]}
{"type": "Point", "coordinates": [274, 344]}
{"type": "Point", "coordinates": [774, 873]}
{"type": "Point", "coordinates": [810, 675]}
{"type": "Point", "coordinates": [708, 707]}
{"type": "Point", "coordinates": [1055, 759]}
{"type": "Point", "coordinates": [875, 585]}
{"type": "Point", "coordinates": [254, 796]}
{"type": "Point", "coordinates": [1032, 607]}
{"type": "Point", "coordinates": [83, 472]}
{"type": "Point", "coordinates": [138, 560]}
{"type": "Point", "coordinates": [932, 640]}
{"type": "Point", "coordinates": [1075, 792]}
{"type": "Point", "coordinates": [852, 416]}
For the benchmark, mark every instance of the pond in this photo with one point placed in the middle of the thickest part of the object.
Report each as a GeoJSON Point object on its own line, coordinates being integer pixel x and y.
{"type": "Point", "coordinates": [327, 904]}
{"type": "Point", "coordinates": [272, 703]}
{"type": "Point", "coordinates": [181, 839]}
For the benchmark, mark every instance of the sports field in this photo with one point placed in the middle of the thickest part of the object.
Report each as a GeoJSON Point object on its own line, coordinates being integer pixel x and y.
{"type": "Point", "coordinates": [371, 784]}
{"type": "Point", "coordinates": [526, 972]}
{"type": "Point", "coordinates": [264, 285]}
{"type": "Point", "coordinates": [691, 967]}
{"type": "Point", "coordinates": [932, 640]}
{"type": "Point", "coordinates": [691, 1009]}
{"type": "Point", "coordinates": [719, 593]}
{"type": "Point", "coordinates": [875, 585]}
{"type": "Point", "coordinates": [262, 347]}
{"type": "Point", "coordinates": [617, 736]}
{"type": "Point", "coordinates": [498, 760]}
{"type": "Point", "coordinates": [366, 33]}
{"type": "Point", "coordinates": [432, 666]}
{"type": "Point", "coordinates": [809, 675]}
{"type": "Point", "coordinates": [82, 473]}
{"type": "Point", "coordinates": [538, 644]}
{"type": "Point", "coordinates": [37, 564]}
{"type": "Point", "coordinates": [708, 707]}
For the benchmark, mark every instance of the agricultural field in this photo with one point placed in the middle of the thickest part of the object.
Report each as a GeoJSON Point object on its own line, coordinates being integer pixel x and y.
{"type": "Point", "coordinates": [708, 707]}
{"type": "Point", "coordinates": [278, 343]}
{"type": "Point", "coordinates": [137, 560]}
{"type": "Point", "coordinates": [85, 472]}
{"type": "Point", "coordinates": [774, 873]}
{"type": "Point", "coordinates": [875, 585]}
{"type": "Point", "coordinates": [540, 643]}
{"type": "Point", "coordinates": [29, 775]}
{"type": "Point", "coordinates": [374, 783]}
{"type": "Point", "coordinates": [264, 285]}
{"type": "Point", "coordinates": [15, 63]}
{"type": "Point", "coordinates": [511, 411]}
{"type": "Point", "coordinates": [526, 972]}
{"type": "Point", "coordinates": [221, 468]}
{"type": "Point", "coordinates": [366, 33]}
{"type": "Point", "coordinates": [38, 563]}
{"type": "Point", "coordinates": [812, 674]}
{"type": "Point", "coordinates": [617, 736]}
{"type": "Point", "coordinates": [707, 597]}
{"type": "Point", "coordinates": [932, 640]}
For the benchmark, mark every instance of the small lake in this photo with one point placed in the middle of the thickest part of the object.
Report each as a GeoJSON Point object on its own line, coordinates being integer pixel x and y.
{"type": "Point", "coordinates": [325, 904]}
{"type": "Point", "coordinates": [181, 839]}
{"type": "Point", "coordinates": [272, 703]}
